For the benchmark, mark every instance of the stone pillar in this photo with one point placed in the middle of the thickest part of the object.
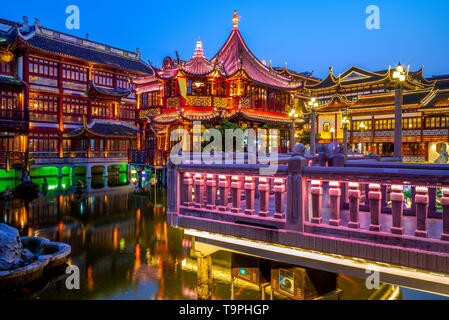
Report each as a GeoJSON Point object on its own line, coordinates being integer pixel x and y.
{"type": "Point", "coordinates": [199, 190]}
{"type": "Point", "coordinates": [279, 193]}
{"type": "Point", "coordinates": [445, 204]}
{"type": "Point", "coordinates": [250, 190]}
{"type": "Point", "coordinates": [204, 276]}
{"type": "Point", "coordinates": [334, 201]}
{"type": "Point", "coordinates": [264, 194]}
{"type": "Point", "coordinates": [354, 205]}
{"type": "Point", "coordinates": [375, 198]}
{"type": "Point", "coordinates": [422, 208]}
{"type": "Point", "coordinates": [187, 190]}
{"type": "Point", "coordinates": [236, 191]}
{"type": "Point", "coordinates": [223, 185]}
{"type": "Point", "coordinates": [211, 190]}
{"type": "Point", "coordinates": [397, 208]}
{"type": "Point", "coordinates": [296, 194]}
{"type": "Point", "coordinates": [173, 195]}
{"type": "Point", "coordinates": [317, 197]}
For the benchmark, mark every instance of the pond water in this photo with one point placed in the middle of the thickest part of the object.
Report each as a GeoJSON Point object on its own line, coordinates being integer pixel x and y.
{"type": "Point", "coordinates": [125, 249]}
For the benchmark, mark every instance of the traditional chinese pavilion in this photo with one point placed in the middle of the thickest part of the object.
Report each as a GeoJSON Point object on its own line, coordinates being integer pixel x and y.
{"type": "Point", "coordinates": [367, 99]}
{"type": "Point", "coordinates": [233, 85]}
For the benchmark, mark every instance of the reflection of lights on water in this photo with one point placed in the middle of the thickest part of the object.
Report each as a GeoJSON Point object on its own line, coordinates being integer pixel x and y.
{"type": "Point", "coordinates": [5, 218]}
{"type": "Point", "coordinates": [122, 244]}
{"type": "Point", "coordinates": [184, 262]}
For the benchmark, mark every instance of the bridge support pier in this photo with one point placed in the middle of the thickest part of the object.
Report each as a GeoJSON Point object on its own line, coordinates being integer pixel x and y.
{"type": "Point", "coordinates": [203, 253]}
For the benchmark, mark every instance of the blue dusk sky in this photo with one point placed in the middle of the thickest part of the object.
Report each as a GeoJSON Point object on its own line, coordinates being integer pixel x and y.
{"type": "Point", "coordinates": [308, 35]}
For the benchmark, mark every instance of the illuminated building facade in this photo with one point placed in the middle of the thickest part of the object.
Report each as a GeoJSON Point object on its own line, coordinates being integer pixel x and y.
{"type": "Point", "coordinates": [55, 85]}
{"type": "Point", "coordinates": [367, 100]}
{"type": "Point", "coordinates": [233, 85]}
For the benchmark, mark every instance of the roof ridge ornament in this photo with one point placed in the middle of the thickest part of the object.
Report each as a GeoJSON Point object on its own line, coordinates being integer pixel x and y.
{"type": "Point", "coordinates": [199, 49]}
{"type": "Point", "coordinates": [235, 19]}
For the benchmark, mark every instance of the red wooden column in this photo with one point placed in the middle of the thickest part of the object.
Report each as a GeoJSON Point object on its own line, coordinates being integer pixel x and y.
{"type": "Point", "coordinates": [422, 208]}
{"type": "Point", "coordinates": [211, 190]}
{"type": "Point", "coordinates": [236, 191]}
{"type": "Point", "coordinates": [250, 188]}
{"type": "Point", "coordinates": [60, 111]}
{"type": "Point", "coordinates": [397, 209]}
{"type": "Point", "coordinates": [445, 205]}
{"type": "Point", "coordinates": [334, 199]}
{"type": "Point", "coordinates": [354, 205]}
{"type": "Point", "coordinates": [279, 195]}
{"type": "Point", "coordinates": [375, 199]}
{"type": "Point", "coordinates": [198, 183]}
{"type": "Point", "coordinates": [264, 189]}
{"type": "Point", "coordinates": [223, 185]}
{"type": "Point", "coordinates": [317, 197]}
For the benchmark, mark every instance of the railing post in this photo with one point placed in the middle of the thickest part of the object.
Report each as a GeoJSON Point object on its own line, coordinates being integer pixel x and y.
{"type": "Point", "coordinates": [296, 194]}
{"type": "Point", "coordinates": [279, 195]}
{"type": "Point", "coordinates": [199, 190]}
{"type": "Point", "coordinates": [236, 190]}
{"type": "Point", "coordinates": [445, 205]}
{"type": "Point", "coordinates": [211, 185]}
{"type": "Point", "coordinates": [187, 189]}
{"type": "Point", "coordinates": [223, 184]}
{"type": "Point", "coordinates": [375, 197]}
{"type": "Point", "coordinates": [422, 208]}
{"type": "Point", "coordinates": [334, 201]}
{"type": "Point", "coordinates": [354, 205]}
{"type": "Point", "coordinates": [397, 208]}
{"type": "Point", "coordinates": [317, 197]}
{"type": "Point", "coordinates": [432, 200]}
{"type": "Point", "coordinates": [264, 188]}
{"type": "Point", "coordinates": [250, 192]}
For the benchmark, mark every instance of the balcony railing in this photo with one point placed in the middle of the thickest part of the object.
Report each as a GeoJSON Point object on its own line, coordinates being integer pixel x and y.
{"type": "Point", "coordinates": [7, 114]}
{"type": "Point", "coordinates": [13, 160]}
{"type": "Point", "coordinates": [156, 158]}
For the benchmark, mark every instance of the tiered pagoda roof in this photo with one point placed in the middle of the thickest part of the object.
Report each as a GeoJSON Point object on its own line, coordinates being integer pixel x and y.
{"type": "Point", "coordinates": [234, 58]}
{"type": "Point", "coordinates": [411, 98]}
{"type": "Point", "coordinates": [41, 38]}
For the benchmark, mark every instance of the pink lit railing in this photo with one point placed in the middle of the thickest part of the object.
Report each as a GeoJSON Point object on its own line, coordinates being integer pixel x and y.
{"type": "Point", "coordinates": [339, 210]}
{"type": "Point", "coordinates": [354, 199]}
{"type": "Point", "coordinates": [242, 196]}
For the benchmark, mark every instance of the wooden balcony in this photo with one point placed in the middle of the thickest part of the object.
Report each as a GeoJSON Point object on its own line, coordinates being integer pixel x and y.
{"type": "Point", "coordinates": [156, 158]}
{"type": "Point", "coordinates": [13, 160]}
{"type": "Point", "coordinates": [13, 120]}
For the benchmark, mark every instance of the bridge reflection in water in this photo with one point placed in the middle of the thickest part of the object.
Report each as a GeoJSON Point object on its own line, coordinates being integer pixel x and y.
{"type": "Point", "coordinates": [125, 249]}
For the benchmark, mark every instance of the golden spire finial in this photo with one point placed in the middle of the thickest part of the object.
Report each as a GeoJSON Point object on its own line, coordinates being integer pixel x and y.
{"type": "Point", "coordinates": [235, 19]}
